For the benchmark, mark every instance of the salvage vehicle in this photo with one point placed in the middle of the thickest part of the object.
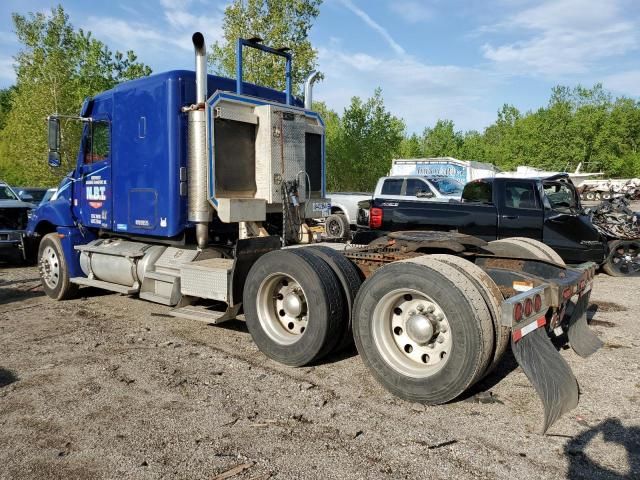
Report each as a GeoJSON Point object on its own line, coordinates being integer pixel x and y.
{"type": "Point", "coordinates": [546, 209]}
{"type": "Point", "coordinates": [237, 174]}
{"type": "Point", "coordinates": [14, 214]}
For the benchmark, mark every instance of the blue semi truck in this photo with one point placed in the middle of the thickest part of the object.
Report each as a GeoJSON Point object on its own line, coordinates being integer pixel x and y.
{"type": "Point", "coordinates": [188, 190]}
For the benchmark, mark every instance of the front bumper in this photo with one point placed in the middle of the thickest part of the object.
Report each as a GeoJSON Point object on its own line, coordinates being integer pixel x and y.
{"type": "Point", "coordinates": [11, 238]}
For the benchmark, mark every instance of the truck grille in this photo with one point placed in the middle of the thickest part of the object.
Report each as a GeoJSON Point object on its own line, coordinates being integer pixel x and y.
{"type": "Point", "coordinates": [13, 218]}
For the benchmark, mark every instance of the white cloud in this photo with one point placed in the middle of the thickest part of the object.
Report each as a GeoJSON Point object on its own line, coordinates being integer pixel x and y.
{"type": "Point", "coordinates": [129, 35]}
{"type": "Point", "coordinates": [627, 83]}
{"type": "Point", "coordinates": [7, 72]}
{"type": "Point", "coordinates": [166, 41]}
{"type": "Point", "coordinates": [415, 91]}
{"type": "Point", "coordinates": [563, 37]}
{"type": "Point", "coordinates": [364, 16]}
{"type": "Point", "coordinates": [411, 11]}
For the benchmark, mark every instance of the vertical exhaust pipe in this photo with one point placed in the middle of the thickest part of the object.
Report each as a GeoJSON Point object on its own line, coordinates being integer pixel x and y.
{"type": "Point", "coordinates": [199, 210]}
{"type": "Point", "coordinates": [201, 67]}
{"type": "Point", "coordinates": [308, 89]}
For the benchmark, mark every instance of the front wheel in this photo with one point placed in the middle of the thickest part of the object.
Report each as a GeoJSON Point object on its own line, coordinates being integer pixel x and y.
{"type": "Point", "coordinates": [54, 272]}
{"type": "Point", "coordinates": [623, 259]}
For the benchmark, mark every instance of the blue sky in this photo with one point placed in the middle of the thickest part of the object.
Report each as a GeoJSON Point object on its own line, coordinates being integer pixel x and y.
{"type": "Point", "coordinates": [449, 59]}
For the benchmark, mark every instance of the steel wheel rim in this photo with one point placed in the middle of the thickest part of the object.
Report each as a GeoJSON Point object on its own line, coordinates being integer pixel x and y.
{"type": "Point", "coordinates": [282, 308]}
{"type": "Point", "coordinates": [626, 258]}
{"type": "Point", "coordinates": [50, 267]}
{"type": "Point", "coordinates": [402, 322]}
{"type": "Point", "coordinates": [333, 227]}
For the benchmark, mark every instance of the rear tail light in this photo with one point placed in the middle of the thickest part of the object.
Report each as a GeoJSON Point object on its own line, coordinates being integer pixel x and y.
{"type": "Point", "coordinates": [375, 217]}
{"type": "Point", "coordinates": [537, 303]}
{"type": "Point", "coordinates": [528, 307]}
{"type": "Point", "coordinates": [517, 312]}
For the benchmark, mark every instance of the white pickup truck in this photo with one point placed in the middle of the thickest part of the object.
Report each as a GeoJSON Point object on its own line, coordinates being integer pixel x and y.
{"type": "Point", "coordinates": [344, 210]}
{"type": "Point", "coordinates": [432, 188]}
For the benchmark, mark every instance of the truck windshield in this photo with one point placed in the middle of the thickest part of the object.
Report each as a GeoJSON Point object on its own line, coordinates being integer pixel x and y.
{"type": "Point", "coordinates": [6, 193]}
{"type": "Point", "coordinates": [447, 186]}
{"type": "Point", "coordinates": [561, 196]}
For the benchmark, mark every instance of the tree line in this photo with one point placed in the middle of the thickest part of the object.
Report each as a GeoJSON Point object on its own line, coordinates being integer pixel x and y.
{"type": "Point", "coordinates": [58, 66]}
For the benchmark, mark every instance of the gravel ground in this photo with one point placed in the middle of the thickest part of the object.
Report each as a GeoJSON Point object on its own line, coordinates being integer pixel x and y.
{"type": "Point", "coordinates": [111, 387]}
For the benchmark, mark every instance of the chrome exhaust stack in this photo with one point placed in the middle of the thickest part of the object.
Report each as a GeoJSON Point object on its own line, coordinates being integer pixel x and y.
{"type": "Point", "coordinates": [199, 210]}
{"type": "Point", "coordinates": [308, 89]}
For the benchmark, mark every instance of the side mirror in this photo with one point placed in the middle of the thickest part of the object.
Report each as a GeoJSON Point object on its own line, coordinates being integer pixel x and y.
{"type": "Point", "coordinates": [424, 194]}
{"type": "Point", "coordinates": [53, 125]}
{"type": "Point", "coordinates": [54, 159]}
{"type": "Point", "coordinates": [25, 197]}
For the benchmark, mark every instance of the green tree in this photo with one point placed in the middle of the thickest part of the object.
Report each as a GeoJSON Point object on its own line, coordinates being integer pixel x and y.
{"type": "Point", "coordinates": [280, 23]}
{"type": "Point", "coordinates": [442, 140]}
{"type": "Point", "coordinates": [6, 100]}
{"type": "Point", "coordinates": [411, 147]}
{"type": "Point", "coordinates": [56, 69]}
{"type": "Point", "coordinates": [367, 137]}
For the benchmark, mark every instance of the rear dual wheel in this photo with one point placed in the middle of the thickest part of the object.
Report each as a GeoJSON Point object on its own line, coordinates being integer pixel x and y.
{"type": "Point", "coordinates": [424, 330]}
{"type": "Point", "coordinates": [297, 304]}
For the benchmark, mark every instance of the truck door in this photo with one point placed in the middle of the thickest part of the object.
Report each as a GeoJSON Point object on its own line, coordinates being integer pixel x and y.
{"type": "Point", "coordinates": [519, 209]}
{"type": "Point", "coordinates": [566, 229]}
{"type": "Point", "coordinates": [93, 200]}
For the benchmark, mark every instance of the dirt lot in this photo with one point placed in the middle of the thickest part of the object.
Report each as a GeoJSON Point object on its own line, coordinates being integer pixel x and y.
{"type": "Point", "coordinates": [111, 387]}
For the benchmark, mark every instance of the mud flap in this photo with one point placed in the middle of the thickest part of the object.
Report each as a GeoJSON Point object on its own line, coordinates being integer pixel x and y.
{"type": "Point", "coordinates": [583, 341]}
{"type": "Point", "coordinates": [549, 373]}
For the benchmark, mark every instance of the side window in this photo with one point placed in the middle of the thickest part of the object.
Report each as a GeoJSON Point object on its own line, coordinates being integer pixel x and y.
{"type": "Point", "coordinates": [519, 194]}
{"type": "Point", "coordinates": [415, 186]}
{"type": "Point", "coordinates": [560, 196]}
{"type": "Point", "coordinates": [392, 186]}
{"type": "Point", "coordinates": [478, 192]}
{"type": "Point", "coordinates": [96, 147]}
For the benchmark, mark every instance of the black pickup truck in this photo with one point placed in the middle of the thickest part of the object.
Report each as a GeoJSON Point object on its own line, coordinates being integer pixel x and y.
{"type": "Point", "coordinates": [545, 208]}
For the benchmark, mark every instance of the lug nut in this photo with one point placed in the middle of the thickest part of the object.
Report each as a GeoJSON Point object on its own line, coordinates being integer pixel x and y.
{"type": "Point", "coordinates": [439, 317]}
{"type": "Point", "coordinates": [430, 309]}
{"type": "Point", "coordinates": [440, 339]}
{"type": "Point", "coordinates": [420, 308]}
{"type": "Point", "coordinates": [443, 328]}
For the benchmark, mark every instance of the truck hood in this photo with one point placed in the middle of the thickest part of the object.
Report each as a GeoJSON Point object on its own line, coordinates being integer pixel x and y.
{"type": "Point", "coordinates": [15, 204]}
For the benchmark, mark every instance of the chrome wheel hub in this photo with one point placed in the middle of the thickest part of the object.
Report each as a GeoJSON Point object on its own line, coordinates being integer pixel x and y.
{"type": "Point", "coordinates": [412, 333]}
{"type": "Point", "coordinates": [282, 308]}
{"type": "Point", "coordinates": [420, 328]}
{"type": "Point", "coordinates": [50, 267]}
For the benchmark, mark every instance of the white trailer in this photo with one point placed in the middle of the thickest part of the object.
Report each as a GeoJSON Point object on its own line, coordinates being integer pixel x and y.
{"type": "Point", "coordinates": [461, 170]}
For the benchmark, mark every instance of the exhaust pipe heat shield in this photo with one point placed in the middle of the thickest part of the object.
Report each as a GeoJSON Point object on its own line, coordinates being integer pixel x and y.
{"type": "Point", "coordinates": [549, 373]}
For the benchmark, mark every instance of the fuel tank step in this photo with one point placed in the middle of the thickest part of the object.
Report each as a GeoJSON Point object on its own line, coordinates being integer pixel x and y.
{"type": "Point", "coordinates": [114, 287]}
